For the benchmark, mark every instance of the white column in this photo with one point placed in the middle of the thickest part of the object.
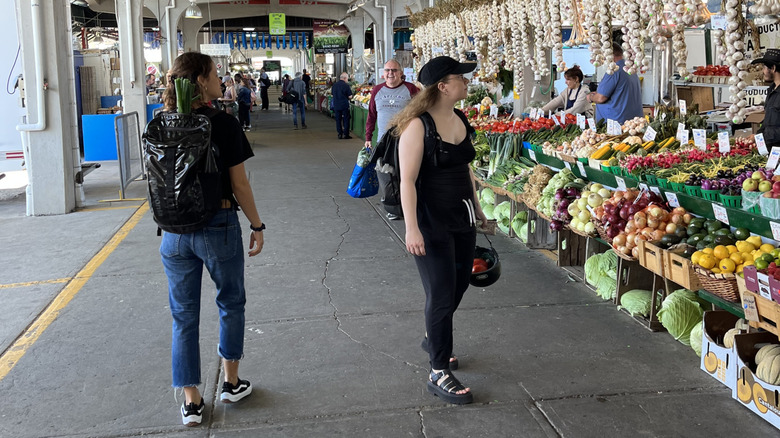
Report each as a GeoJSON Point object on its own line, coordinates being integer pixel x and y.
{"type": "Point", "coordinates": [357, 29]}
{"type": "Point", "coordinates": [189, 29]}
{"type": "Point", "coordinates": [131, 51]}
{"type": "Point", "coordinates": [169, 22]}
{"type": "Point", "coordinates": [48, 131]}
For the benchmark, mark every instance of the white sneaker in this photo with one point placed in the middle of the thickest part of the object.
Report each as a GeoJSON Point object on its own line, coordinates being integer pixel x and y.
{"type": "Point", "coordinates": [191, 414]}
{"type": "Point", "coordinates": [232, 394]}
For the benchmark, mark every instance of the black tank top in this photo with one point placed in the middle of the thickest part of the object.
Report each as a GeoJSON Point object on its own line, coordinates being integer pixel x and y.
{"type": "Point", "coordinates": [445, 191]}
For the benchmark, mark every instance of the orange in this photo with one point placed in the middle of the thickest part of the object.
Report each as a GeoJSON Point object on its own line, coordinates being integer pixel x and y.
{"type": "Point", "coordinates": [707, 261]}
{"type": "Point", "coordinates": [737, 257]}
{"type": "Point", "coordinates": [721, 252]}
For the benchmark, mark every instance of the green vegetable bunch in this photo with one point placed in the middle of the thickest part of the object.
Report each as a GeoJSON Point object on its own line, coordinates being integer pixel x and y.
{"type": "Point", "coordinates": [184, 99]}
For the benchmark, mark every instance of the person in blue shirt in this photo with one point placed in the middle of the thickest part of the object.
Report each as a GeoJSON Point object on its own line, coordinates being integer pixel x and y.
{"type": "Point", "coordinates": [341, 93]}
{"type": "Point", "coordinates": [619, 96]}
{"type": "Point", "coordinates": [244, 103]}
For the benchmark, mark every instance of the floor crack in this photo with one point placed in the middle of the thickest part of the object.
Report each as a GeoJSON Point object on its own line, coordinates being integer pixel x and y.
{"type": "Point", "coordinates": [422, 423]}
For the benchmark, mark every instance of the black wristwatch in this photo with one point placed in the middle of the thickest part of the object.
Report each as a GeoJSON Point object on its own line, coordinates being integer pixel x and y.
{"type": "Point", "coordinates": [260, 228]}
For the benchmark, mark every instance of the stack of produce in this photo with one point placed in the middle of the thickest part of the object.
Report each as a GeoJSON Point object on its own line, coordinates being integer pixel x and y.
{"type": "Point", "coordinates": [635, 126]}
{"type": "Point", "coordinates": [501, 213]}
{"type": "Point", "coordinates": [723, 255]}
{"type": "Point", "coordinates": [584, 145]}
{"type": "Point", "coordinates": [681, 313]}
{"type": "Point", "coordinates": [510, 171]}
{"type": "Point", "coordinates": [637, 302]}
{"type": "Point", "coordinates": [631, 215]}
{"type": "Point", "coordinates": [592, 197]}
{"type": "Point", "coordinates": [520, 225]}
{"type": "Point", "coordinates": [768, 364]}
{"type": "Point", "coordinates": [537, 181]}
{"type": "Point", "coordinates": [601, 273]}
{"type": "Point", "coordinates": [487, 199]}
{"type": "Point", "coordinates": [559, 181]}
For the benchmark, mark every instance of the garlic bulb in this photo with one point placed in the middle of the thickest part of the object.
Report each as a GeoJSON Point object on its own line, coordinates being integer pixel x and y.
{"type": "Point", "coordinates": [556, 34]}
{"type": "Point", "coordinates": [735, 57]}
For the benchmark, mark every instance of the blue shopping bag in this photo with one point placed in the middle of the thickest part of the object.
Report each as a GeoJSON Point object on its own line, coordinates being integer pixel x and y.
{"type": "Point", "coordinates": [363, 182]}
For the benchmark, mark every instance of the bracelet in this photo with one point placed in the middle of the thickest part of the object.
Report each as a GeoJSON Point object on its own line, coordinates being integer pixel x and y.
{"type": "Point", "coordinates": [260, 228]}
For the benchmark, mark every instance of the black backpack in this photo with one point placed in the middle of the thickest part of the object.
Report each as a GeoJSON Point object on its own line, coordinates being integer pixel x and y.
{"type": "Point", "coordinates": [385, 157]}
{"type": "Point", "coordinates": [292, 96]}
{"type": "Point", "coordinates": [185, 186]}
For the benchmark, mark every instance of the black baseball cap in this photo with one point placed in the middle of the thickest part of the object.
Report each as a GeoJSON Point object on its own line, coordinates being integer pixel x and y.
{"type": "Point", "coordinates": [772, 56]}
{"type": "Point", "coordinates": [439, 67]}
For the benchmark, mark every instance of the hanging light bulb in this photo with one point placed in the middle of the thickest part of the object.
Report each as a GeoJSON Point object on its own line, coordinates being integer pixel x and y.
{"type": "Point", "coordinates": [98, 39]}
{"type": "Point", "coordinates": [193, 11]}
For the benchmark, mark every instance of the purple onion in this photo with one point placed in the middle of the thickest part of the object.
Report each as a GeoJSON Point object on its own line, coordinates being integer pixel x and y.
{"type": "Point", "coordinates": [564, 204]}
{"type": "Point", "coordinates": [706, 185]}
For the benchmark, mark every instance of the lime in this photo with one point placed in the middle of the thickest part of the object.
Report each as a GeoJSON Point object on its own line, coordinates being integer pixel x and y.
{"type": "Point", "coordinates": [761, 264]}
{"type": "Point", "coordinates": [767, 258]}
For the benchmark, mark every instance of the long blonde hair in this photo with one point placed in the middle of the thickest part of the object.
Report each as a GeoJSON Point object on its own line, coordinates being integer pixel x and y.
{"type": "Point", "coordinates": [420, 103]}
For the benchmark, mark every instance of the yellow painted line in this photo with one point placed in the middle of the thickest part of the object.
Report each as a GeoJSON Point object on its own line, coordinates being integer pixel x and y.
{"type": "Point", "coordinates": [33, 283]}
{"type": "Point", "coordinates": [109, 208]}
{"type": "Point", "coordinates": [15, 352]}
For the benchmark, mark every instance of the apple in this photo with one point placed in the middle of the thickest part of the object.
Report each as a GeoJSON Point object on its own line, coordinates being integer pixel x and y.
{"type": "Point", "coordinates": [764, 186]}
{"type": "Point", "coordinates": [775, 178]}
{"type": "Point", "coordinates": [757, 175]}
{"type": "Point", "coordinates": [750, 185]}
{"type": "Point", "coordinates": [776, 186]}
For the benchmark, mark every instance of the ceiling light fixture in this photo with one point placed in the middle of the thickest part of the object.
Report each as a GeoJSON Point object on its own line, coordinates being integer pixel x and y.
{"type": "Point", "coordinates": [249, 29]}
{"type": "Point", "coordinates": [193, 11]}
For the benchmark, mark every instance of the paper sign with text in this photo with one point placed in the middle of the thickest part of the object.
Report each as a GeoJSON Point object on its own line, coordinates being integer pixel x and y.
{"type": "Point", "coordinates": [532, 154]}
{"type": "Point", "coordinates": [672, 198]}
{"type": "Point", "coordinates": [592, 123]}
{"type": "Point", "coordinates": [621, 183]}
{"type": "Point", "coordinates": [581, 166]}
{"type": "Point", "coordinates": [761, 144]}
{"type": "Point", "coordinates": [774, 155]}
{"type": "Point", "coordinates": [683, 107]}
{"type": "Point", "coordinates": [700, 138]}
{"type": "Point", "coordinates": [720, 213]}
{"type": "Point", "coordinates": [649, 134]}
{"type": "Point", "coordinates": [723, 142]}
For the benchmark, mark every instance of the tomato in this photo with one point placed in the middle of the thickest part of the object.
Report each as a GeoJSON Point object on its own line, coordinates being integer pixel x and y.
{"type": "Point", "coordinates": [478, 268]}
{"type": "Point", "coordinates": [480, 262]}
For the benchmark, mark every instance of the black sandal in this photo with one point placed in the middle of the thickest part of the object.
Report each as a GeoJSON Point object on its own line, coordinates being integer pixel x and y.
{"type": "Point", "coordinates": [453, 359]}
{"type": "Point", "coordinates": [448, 389]}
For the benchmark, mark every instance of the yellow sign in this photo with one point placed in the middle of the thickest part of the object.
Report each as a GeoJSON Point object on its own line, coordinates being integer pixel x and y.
{"type": "Point", "coordinates": [276, 24]}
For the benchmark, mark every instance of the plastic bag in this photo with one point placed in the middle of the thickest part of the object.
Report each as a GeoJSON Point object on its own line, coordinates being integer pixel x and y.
{"type": "Point", "coordinates": [363, 182]}
{"type": "Point", "coordinates": [770, 207]}
{"type": "Point", "coordinates": [750, 199]}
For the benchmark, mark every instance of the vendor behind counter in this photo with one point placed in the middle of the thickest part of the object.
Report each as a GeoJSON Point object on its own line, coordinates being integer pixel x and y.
{"type": "Point", "coordinates": [572, 100]}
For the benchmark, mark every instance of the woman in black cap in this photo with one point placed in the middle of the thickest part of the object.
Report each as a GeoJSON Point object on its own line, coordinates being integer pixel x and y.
{"type": "Point", "coordinates": [441, 209]}
{"type": "Point", "coordinates": [770, 127]}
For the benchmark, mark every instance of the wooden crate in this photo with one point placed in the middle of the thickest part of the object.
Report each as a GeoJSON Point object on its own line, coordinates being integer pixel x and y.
{"type": "Point", "coordinates": [651, 257]}
{"type": "Point", "coordinates": [679, 270]}
{"type": "Point", "coordinates": [539, 234]}
{"type": "Point", "coordinates": [631, 276]}
{"type": "Point", "coordinates": [768, 313]}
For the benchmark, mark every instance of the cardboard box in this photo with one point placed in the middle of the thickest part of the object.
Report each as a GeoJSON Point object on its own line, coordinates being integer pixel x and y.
{"type": "Point", "coordinates": [755, 119]}
{"type": "Point", "coordinates": [651, 257]}
{"type": "Point", "coordinates": [114, 62]}
{"type": "Point", "coordinates": [762, 284]}
{"type": "Point", "coordinates": [753, 393]}
{"type": "Point", "coordinates": [717, 360]}
{"type": "Point", "coordinates": [747, 132]}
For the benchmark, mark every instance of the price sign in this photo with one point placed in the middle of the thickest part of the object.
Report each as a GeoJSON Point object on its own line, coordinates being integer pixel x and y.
{"type": "Point", "coordinates": [581, 121]}
{"type": "Point", "coordinates": [761, 143]}
{"type": "Point", "coordinates": [644, 187]}
{"type": "Point", "coordinates": [672, 198]}
{"type": "Point", "coordinates": [718, 22]}
{"type": "Point", "coordinates": [680, 128]}
{"type": "Point", "coordinates": [532, 153]}
{"type": "Point", "coordinates": [555, 119]}
{"type": "Point", "coordinates": [581, 166]}
{"type": "Point", "coordinates": [683, 137]}
{"type": "Point", "coordinates": [700, 138]}
{"type": "Point", "coordinates": [649, 134]}
{"type": "Point", "coordinates": [549, 114]}
{"type": "Point", "coordinates": [723, 142]}
{"type": "Point", "coordinates": [621, 183]}
{"type": "Point", "coordinates": [613, 127]}
{"type": "Point", "coordinates": [773, 157]}
{"type": "Point", "coordinates": [655, 190]}
{"type": "Point", "coordinates": [720, 213]}
{"type": "Point", "coordinates": [592, 123]}
{"type": "Point", "coordinates": [749, 304]}
{"type": "Point", "coordinates": [775, 230]}
{"type": "Point", "coordinates": [494, 110]}
{"type": "Point", "coordinates": [567, 164]}
{"type": "Point", "coordinates": [683, 108]}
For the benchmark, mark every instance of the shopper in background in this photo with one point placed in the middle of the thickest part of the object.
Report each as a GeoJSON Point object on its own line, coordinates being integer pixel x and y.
{"type": "Point", "coordinates": [441, 209]}
{"type": "Point", "coordinates": [387, 99]}
{"type": "Point", "coordinates": [285, 85]}
{"type": "Point", "coordinates": [574, 98]}
{"type": "Point", "coordinates": [300, 87]}
{"type": "Point", "coordinates": [770, 127]}
{"type": "Point", "coordinates": [218, 246]}
{"type": "Point", "coordinates": [619, 96]}
{"type": "Point", "coordinates": [306, 80]}
{"type": "Point", "coordinates": [244, 103]}
{"type": "Point", "coordinates": [229, 97]}
{"type": "Point", "coordinates": [151, 84]}
{"type": "Point", "coordinates": [341, 93]}
{"type": "Point", "coordinates": [265, 82]}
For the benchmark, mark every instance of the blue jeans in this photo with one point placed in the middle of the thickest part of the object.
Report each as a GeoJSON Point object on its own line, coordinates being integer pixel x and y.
{"type": "Point", "coordinates": [219, 247]}
{"type": "Point", "coordinates": [296, 105]}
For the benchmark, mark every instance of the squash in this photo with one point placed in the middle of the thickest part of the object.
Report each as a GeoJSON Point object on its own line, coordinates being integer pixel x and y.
{"type": "Point", "coordinates": [769, 370]}
{"type": "Point", "coordinates": [742, 324]}
{"type": "Point", "coordinates": [766, 351]}
{"type": "Point", "coordinates": [728, 338]}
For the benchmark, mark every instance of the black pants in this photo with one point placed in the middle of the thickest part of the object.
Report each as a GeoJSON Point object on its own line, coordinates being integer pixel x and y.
{"type": "Point", "coordinates": [445, 270]}
{"type": "Point", "coordinates": [243, 114]}
{"type": "Point", "coordinates": [264, 97]}
{"type": "Point", "coordinates": [342, 122]}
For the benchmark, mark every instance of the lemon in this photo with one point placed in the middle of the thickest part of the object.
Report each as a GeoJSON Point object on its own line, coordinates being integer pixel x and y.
{"type": "Point", "coordinates": [707, 261]}
{"type": "Point", "coordinates": [715, 270]}
{"type": "Point", "coordinates": [695, 257]}
{"type": "Point", "coordinates": [739, 269]}
{"type": "Point", "coordinates": [707, 251]}
{"type": "Point", "coordinates": [737, 257]}
{"type": "Point", "coordinates": [755, 241]}
{"type": "Point", "coordinates": [748, 263]}
{"type": "Point", "coordinates": [727, 266]}
{"type": "Point", "coordinates": [744, 246]}
{"type": "Point", "coordinates": [767, 247]}
{"type": "Point", "coordinates": [746, 256]}
{"type": "Point", "coordinates": [721, 252]}
{"type": "Point", "coordinates": [732, 249]}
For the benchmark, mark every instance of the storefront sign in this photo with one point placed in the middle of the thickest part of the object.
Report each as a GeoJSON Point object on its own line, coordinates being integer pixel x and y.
{"type": "Point", "coordinates": [215, 49]}
{"type": "Point", "coordinates": [768, 35]}
{"type": "Point", "coordinates": [276, 24]}
{"type": "Point", "coordinates": [328, 37]}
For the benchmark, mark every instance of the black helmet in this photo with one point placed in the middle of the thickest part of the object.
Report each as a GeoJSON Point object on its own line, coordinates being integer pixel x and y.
{"type": "Point", "coordinates": [490, 276]}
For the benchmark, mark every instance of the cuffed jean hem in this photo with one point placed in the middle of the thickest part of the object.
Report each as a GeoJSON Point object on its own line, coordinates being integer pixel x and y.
{"type": "Point", "coordinates": [222, 355]}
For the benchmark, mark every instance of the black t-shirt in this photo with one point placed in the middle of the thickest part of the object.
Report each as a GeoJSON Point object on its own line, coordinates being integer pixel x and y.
{"type": "Point", "coordinates": [233, 146]}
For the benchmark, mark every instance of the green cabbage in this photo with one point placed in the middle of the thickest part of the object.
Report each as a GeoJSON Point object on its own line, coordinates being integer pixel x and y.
{"type": "Point", "coordinates": [696, 338]}
{"type": "Point", "coordinates": [606, 288]}
{"type": "Point", "coordinates": [679, 315]}
{"type": "Point", "coordinates": [601, 273]}
{"type": "Point", "coordinates": [487, 196]}
{"type": "Point", "coordinates": [519, 221]}
{"type": "Point", "coordinates": [637, 302]}
{"type": "Point", "coordinates": [488, 210]}
{"type": "Point", "coordinates": [523, 233]}
{"type": "Point", "coordinates": [502, 211]}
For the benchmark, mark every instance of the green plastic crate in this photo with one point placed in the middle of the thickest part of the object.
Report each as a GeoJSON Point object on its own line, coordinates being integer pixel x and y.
{"type": "Point", "coordinates": [651, 179]}
{"type": "Point", "coordinates": [731, 201]}
{"type": "Point", "coordinates": [663, 183]}
{"type": "Point", "coordinates": [677, 187]}
{"type": "Point", "coordinates": [693, 191]}
{"type": "Point", "coordinates": [711, 195]}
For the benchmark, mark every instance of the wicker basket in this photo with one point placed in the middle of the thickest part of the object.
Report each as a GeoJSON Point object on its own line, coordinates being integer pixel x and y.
{"type": "Point", "coordinates": [578, 232]}
{"type": "Point", "coordinates": [722, 285]}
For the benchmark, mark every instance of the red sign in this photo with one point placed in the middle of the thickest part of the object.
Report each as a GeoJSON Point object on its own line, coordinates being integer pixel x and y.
{"type": "Point", "coordinates": [151, 69]}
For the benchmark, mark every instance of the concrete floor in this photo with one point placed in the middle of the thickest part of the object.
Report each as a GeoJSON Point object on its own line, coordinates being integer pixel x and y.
{"type": "Point", "coordinates": [334, 322]}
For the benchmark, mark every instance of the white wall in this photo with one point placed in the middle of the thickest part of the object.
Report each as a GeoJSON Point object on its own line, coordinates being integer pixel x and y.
{"type": "Point", "coordinates": [10, 139]}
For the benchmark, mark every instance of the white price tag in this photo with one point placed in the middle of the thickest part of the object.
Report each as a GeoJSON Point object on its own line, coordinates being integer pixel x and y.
{"type": "Point", "coordinates": [592, 123]}
{"type": "Point", "coordinates": [643, 187]}
{"type": "Point", "coordinates": [581, 121]}
{"type": "Point", "coordinates": [775, 230]}
{"type": "Point", "coordinates": [532, 153]}
{"type": "Point", "coordinates": [723, 142]}
{"type": "Point", "coordinates": [549, 114]}
{"type": "Point", "coordinates": [720, 213]}
{"type": "Point", "coordinates": [649, 134]}
{"type": "Point", "coordinates": [683, 108]}
{"type": "Point", "coordinates": [680, 128]}
{"type": "Point", "coordinates": [656, 190]}
{"type": "Point", "coordinates": [581, 166]}
{"type": "Point", "coordinates": [671, 197]}
{"type": "Point", "coordinates": [555, 119]}
{"type": "Point", "coordinates": [774, 155]}
{"type": "Point", "coordinates": [621, 183]}
{"type": "Point", "coordinates": [700, 138]}
{"type": "Point", "coordinates": [683, 137]}
{"type": "Point", "coordinates": [761, 143]}
{"type": "Point", "coordinates": [613, 127]}
{"type": "Point", "coordinates": [567, 165]}
{"type": "Point", "coordinates": [494, 110]}
{"type": "Point", "coordinates": [718, 22]}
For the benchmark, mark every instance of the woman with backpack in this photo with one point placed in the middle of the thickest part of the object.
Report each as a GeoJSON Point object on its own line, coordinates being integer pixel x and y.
{"type": "Point", "coordinates": [218, 246]}
{"type": "Point", "coordinates": [440, 208]}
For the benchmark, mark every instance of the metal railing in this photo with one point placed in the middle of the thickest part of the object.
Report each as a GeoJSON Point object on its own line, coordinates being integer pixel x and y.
{"type": "Point", "coordinates": [128, 150]}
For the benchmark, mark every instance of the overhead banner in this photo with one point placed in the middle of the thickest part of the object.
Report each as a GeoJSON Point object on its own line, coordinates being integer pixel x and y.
{"type": "Point", "coordinates": [329, 37]}
{"type": "Point", "coordinates": [215, 49]}
{"type": "Point", "coordinates": [276, 24]}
